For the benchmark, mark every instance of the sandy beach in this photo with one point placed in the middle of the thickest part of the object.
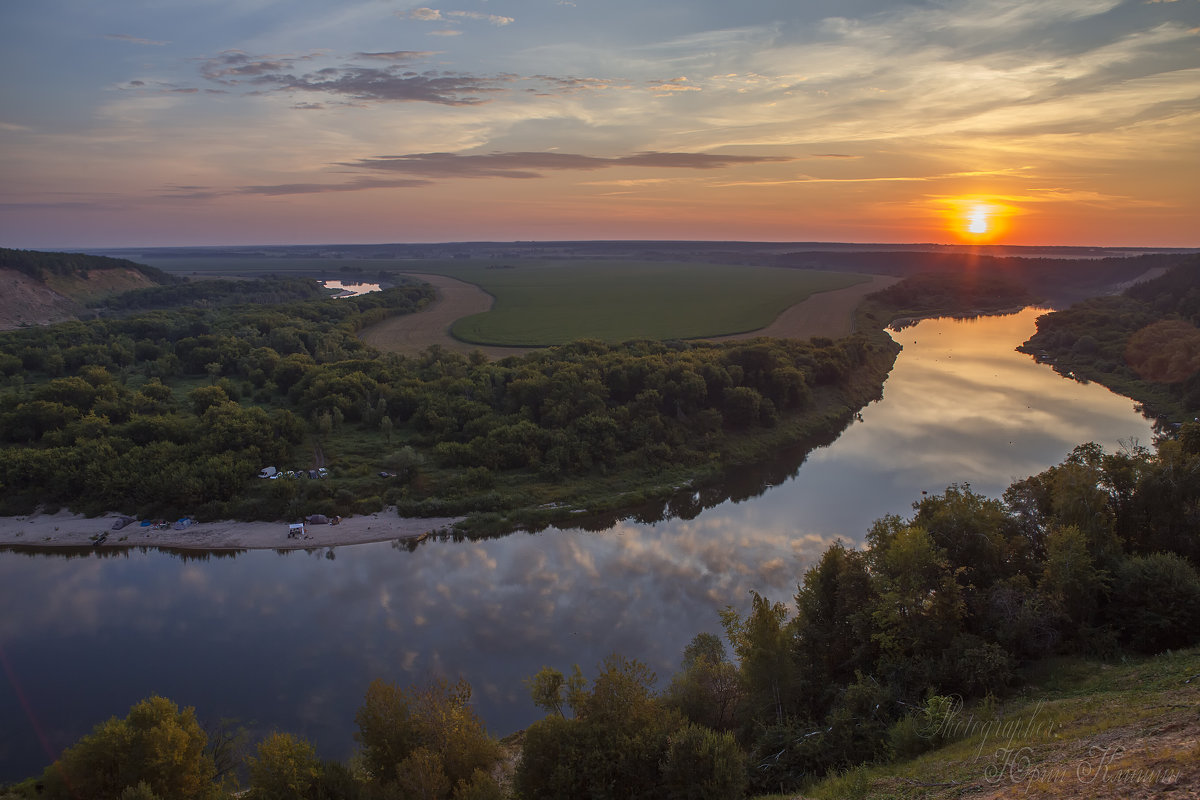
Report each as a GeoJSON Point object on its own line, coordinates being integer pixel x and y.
{"type": "Point", "coordinates": [72, 530]}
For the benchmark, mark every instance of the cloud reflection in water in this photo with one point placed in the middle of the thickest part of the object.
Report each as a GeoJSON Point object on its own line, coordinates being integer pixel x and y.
{"type": "Point", "coordinates": [292, 642]}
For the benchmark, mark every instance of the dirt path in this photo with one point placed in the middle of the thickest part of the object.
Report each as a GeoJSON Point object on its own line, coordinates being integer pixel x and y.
{"type": "Point", "coordinates": [824, 314]}
{"type": "Point", "coordinates": [409, 334]}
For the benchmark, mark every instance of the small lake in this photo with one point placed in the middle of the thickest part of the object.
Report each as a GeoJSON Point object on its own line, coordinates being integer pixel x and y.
{"type": "Point", "coordinates": [349, 289]}
{"type": "Point", "coordinates": [290, 642]}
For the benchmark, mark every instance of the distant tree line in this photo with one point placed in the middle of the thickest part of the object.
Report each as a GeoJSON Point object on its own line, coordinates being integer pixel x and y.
{"type": "Point", "coordinates": [1096, 556]}
{"type": "Point", "coordinates": [1057, 280]}
{"type": "Point", "coordinates": [1143, 343]}
{"type": "Point", "coordinates": [216, 293]}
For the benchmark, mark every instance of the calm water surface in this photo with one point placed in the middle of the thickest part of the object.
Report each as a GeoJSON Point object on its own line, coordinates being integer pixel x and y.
{"type": "Point", "coordinates": [290, 642]}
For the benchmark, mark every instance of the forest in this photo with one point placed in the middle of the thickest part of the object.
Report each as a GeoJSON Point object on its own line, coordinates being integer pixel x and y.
{"type": "Point", "coordinates": [175, 411]}
{"type": "Point", "coordinates": [956, 603]}
{"type": "Point", "coordinates": [176, 396]}
{"type": "Point", "coordinates": [1143, 343]}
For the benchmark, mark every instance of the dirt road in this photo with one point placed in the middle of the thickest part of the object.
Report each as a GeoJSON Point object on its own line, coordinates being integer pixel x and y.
{"type": "Point", "coordinates": [409, 334]}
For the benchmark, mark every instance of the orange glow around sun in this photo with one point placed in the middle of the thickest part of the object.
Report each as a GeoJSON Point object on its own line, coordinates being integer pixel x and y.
{"type": "Point", "coordinates": [975, 219]}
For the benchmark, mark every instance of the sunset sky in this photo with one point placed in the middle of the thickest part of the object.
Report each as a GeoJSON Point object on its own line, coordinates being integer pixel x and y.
{"type": "Point", "coordinates": [159, 122]}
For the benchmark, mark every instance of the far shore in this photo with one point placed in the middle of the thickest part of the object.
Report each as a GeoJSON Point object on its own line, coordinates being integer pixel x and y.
{"type": "Point", "coordinates": [65, 529]}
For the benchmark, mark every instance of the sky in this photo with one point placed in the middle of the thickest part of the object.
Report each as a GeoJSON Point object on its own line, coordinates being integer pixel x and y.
{"type": "Point", "coordinates": [207, 122]}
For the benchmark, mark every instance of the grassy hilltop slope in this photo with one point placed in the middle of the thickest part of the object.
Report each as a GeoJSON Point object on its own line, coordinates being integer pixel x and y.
{"type": "Point", "coordinates": [1082, 728]}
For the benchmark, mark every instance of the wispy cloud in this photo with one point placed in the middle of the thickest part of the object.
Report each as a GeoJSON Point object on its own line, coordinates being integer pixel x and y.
{"type": "Point", "coordinates": [533, 165]}
{"type": "Point", "coordinates": [320, 188]}
{"type": "Point", "coordinates": [398, 55]}
{"type": "Point", "coordinates": [424, 14]}
{"type": "Point", "coordinates": [493, 19]}
{"type": "Point", "coordinates": [124, 37]}
{"type": "Point", "coordinates": [396, 82]}
{"type": "Point", "coordinates": [233, 66]}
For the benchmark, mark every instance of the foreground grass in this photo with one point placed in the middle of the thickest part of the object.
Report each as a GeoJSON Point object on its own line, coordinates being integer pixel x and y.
{"type": "Point", "coordinates": [1080, 729]}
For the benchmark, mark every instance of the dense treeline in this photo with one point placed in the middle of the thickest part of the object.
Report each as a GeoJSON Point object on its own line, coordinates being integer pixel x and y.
{"type": "Point", "coordinates": [1097, 555]}
{"type": "Point", "coordinates": [1057, 280]}
{"type": "Point", "coordinates": [1144, 343]}
{"type": "Point", "coordinates": [142, 413]}
{"type": "Point", "coordinates": [164, 413]}
{"type": "Point", "coordinates": [214, 293]}
{"type": "Point", "coordinates": [40, 265]}
{"type": "Point", "coordinates": [932, 293]}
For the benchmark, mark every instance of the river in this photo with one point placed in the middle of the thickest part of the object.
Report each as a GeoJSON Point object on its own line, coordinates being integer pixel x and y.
{"type": "Point", "coordinates": [290, 642]}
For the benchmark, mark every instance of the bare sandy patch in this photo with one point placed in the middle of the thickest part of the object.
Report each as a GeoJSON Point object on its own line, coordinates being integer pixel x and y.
{"type": "Point", "coordinates": [26, 301]}
{"type": "Point", "coordinates": [73, 530]}
{"type": "Point", "coordinates": [823, 314]}
{"type": "Point", "coordinates": [410, 334]}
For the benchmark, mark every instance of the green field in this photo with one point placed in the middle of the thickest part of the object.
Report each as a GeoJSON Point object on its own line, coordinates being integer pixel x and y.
{"type": "Point", "coordinates": [545, 302]}
{"type": "Point", "coordinates": [554, 302]}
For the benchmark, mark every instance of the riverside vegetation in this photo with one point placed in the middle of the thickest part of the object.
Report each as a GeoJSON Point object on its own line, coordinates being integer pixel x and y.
{"type": "Point", "coordinates": [175, 410]}
{"type": "Point", "coordinates": [1143, 343]}
{"type": "Point", "coordinates": [964, 601]}
{"type": "Point", "coordinates": [1095, 557]}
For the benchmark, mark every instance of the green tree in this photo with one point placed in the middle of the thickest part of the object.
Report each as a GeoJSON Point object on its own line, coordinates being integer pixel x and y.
{"type": "Point", "coordinates": [612, 749]}
{"type": "Point", "coordinates": [762, 646]}
{"type": "Point", "coordinates": [832, 631]}
{"type": "Point", "coordinates": [919, 608]}
{"type": "Point", "coordinates": [707, 690]}
{"type": "Point", "coordinates": [393, 723]}
{"type": "Point", "coordinates": [156, 744]}
{"type": "Point", "coordinates": [285, 768]}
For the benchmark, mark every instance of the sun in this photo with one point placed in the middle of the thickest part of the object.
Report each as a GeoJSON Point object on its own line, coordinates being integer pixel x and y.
{"type": "Point", "coordinates": [977, 220]}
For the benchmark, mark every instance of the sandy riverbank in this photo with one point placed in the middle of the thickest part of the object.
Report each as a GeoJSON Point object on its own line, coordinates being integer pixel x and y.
{"type": "Point", "coordinates": [72, 530]}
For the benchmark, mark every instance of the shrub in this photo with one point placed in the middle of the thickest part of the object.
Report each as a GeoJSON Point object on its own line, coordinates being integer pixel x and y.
{"type": "Point", "coordinates": [702, 764]}
{"type": "Point", "coordinates": [1156, 602]}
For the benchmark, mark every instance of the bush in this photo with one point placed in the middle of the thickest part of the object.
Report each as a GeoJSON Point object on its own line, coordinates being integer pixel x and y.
{"type": "Point", "coordinates": [702, 764]}
{"type": "Point", "coordinates": [1156, 602]}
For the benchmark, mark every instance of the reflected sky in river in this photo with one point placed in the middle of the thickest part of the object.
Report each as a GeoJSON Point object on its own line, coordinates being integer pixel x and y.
{"type": "Point", "coordinates": [291, 641]}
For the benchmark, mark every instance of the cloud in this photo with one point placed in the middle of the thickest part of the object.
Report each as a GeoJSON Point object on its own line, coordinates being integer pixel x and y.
{"type": "Point", "coordinates": [398, 55]}
{"type": "Point", "coordinates": [124, 37]}
{"type": "Point", "coordinates": [434, 15]}
{"type": "Point", "coordinates": [319, 188]}
{"type": "Point", "coordinates": [532, 165]}
{"type": "Point", "coordinates": [396, 82]}
{"type": "Point", "coordinates": [674, 85]}
{"type": "Point", "coordinates": [391, 84]}
{"type": "Point", "coordinates": [423, 14]}
{"type": "Point", "coordinates": [494, 19]}
{"type": "Point", "coordinates": [232, 66]}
